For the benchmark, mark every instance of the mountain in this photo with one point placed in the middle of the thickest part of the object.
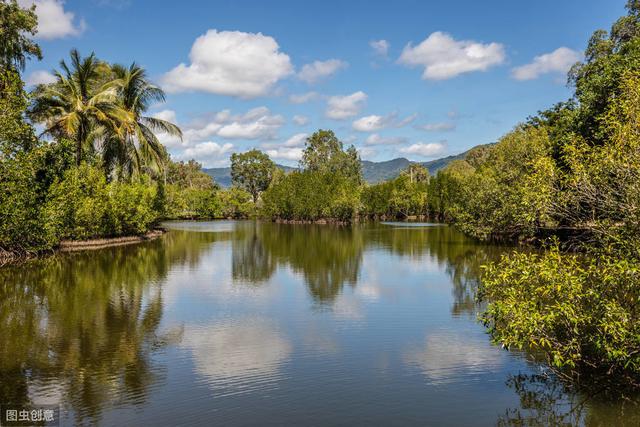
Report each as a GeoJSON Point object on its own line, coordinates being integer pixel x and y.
{"type": "Point", "coordinates": [372, 171]}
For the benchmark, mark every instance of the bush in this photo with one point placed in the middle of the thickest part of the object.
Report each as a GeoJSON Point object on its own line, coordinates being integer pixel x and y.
{"type": "Point", "coordinates": [23, 225]}
{"type": "Point", "coordinates": [132, 207]}
{"type": "Point", "coordinates": [82, 205]}
{"type": "Point", "coordinates": [312, 195]}
{"type": "Point", "coordinates": [235, 203]}
{"type": "Point", "coordinates": [581, 312]}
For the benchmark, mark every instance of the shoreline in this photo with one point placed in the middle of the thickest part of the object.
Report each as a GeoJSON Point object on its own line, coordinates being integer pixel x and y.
{"type": "Point", "coordinates": [11, 258]}
{"type": "Point", "coordinates": [105, 242]}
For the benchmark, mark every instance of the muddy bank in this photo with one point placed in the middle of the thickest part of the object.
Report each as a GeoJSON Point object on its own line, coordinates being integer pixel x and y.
{"type": "Point", "coordinates": [82, 245]}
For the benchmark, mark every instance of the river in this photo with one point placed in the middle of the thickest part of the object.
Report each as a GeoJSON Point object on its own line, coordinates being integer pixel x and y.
{"type": "Point", "coordinates": [250, 323]}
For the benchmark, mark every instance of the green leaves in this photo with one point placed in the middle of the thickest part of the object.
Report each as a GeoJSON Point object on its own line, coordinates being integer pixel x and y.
{"type": "Point", "coordinates": [252, 171]}
{"type": "Point", "coordinates": [575, 310]}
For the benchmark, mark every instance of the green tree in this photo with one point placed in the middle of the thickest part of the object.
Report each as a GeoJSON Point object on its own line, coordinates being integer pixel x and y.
{"type": "Point", "coordinates": [17, 26]}
{"type": "Point", "coordinates": [324, 153]}
{"type": "Point", "coordinates": [139, 148]}
{"type": "Point", "coordinates": [81, 105]}
{"type": "Point", "coordinates": [252, 171]}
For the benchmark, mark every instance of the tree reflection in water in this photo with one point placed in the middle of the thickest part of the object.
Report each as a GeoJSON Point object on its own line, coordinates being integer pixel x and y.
{"type": "Point", "coordinates": [544, 400]}
{"type": "Point", "coordinates": [82, 329]}
{"type": "Point", "coordinates": [83, 326]}
{"type": "Point", "coordinates": [328, 257]}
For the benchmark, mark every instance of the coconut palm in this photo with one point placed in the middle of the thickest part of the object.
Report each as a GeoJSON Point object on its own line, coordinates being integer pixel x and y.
{"type": "Point", "coordinates": [81, 105]}
{"type": "Point", "coordinates": [138, 148]}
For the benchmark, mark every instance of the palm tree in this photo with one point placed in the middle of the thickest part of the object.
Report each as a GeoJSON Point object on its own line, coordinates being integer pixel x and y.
{"type": "Point", "coordinates": [139, 147]}
{"type": "Point", "coordinates": [81, 105]}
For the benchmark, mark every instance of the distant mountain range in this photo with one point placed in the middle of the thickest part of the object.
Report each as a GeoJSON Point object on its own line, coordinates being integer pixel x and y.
{"type": "Point", "coordinates": [373, 171]}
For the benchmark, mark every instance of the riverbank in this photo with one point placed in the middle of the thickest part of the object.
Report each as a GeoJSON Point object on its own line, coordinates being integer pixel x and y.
{"type": "Point", "coordinates": [14, 257]}
{"type": "Point", "coordinates": [93, 244]}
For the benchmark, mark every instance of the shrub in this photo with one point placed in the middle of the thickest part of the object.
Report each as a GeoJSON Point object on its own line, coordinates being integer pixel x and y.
{"type": "Point", "coordinates": [82, 205]}
{"type": "Point", "coordinates": [582, 313]}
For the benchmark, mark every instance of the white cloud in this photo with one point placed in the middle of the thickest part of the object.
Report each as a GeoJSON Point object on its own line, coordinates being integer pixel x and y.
{"type": "Point", "coordinates": [318, 70]}
{"type": "Point", "coordinates": [438, 127]}
{"type": "Point", "coordinates": [303, 98]}
{"type": "Point", "coordinates": [375, 139]}
{"type": "Point", "coordinates": [422, 149]}
{"type": "Point", "coordinates": [53, 21]}
{"type": "Point", "coordinates": [168, 115]}
{"type": "Point", "coordinates": [232, 63]}
{"type": "Point", "coordinates": [296, 140]}
{"type": "Point", "coordinates": [380, 47]}
{"type": "Point", "coordinates": [257, 123]}
{"type": "Point", "coordinates": [558, 61]}
{"type": "Point", "coordinates": [444, 58]}
{"type": "Point", "coordinates": [285, 153]}
{"type": "Point", "coordinates": [300, 120]}
{"type": "Point", "coordinates": [375, 122]}
{"type": "Point", "coordinates": [210, 154]}
{"type": "Point", "coordinates": [367, 153]}
{"type": "Point", "coordinates": [370, 123]}
{"type": "Point", "coordinates": [343, 107]}
{"type": "Point", "coordinates": [40, 77]}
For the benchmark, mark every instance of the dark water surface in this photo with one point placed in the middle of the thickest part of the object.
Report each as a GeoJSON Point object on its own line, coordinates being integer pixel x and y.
{"type": "Point", "coordinates": [243, 323]}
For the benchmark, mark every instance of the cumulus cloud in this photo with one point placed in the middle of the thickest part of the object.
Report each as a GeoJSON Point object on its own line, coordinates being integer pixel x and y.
{"type": "Point", "coordinates": [422, 149]}
{"type": "Point", "coordinates": [208, 153]}
{"type": "Point", "coordinates": [285, 153]}
{"type": "Point", "coordinates": [438, 127]}
{"type": "Point", "coordinates": [367, 152]}
{"type": "Point", "coordinates": [296, 140]}
{"type": "Point", "coordinates": [303, 98]}
{"type": "Point", "coordinates": [558, 61]}
{"type": "Point", "coordinates": [256, 124]}
{"type": "Point", "coordinates": [318, 70]}
{"type": "Point", "coordinates": [300, 120]}
{"type": "Point", "coordinates": [53, 21]}
{"type": "Point", "coordinates": [444, 57]}
{"type": "Point", "coordinates": [343, 107]}
{"type": "Point", "coordinates": [234, 63]}
{"type": "Point", "coordinates": [375, 122]}
{"type": "Point", "coordinates": [376, 139]}
{"type": "Point", "coordinates": [40, 77]}
{"type": "Point", "coordinates": [380, 47]}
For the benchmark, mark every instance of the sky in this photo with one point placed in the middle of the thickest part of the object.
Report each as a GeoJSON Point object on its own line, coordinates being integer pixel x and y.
{"type": "Point", "coordinates": [415, 79]}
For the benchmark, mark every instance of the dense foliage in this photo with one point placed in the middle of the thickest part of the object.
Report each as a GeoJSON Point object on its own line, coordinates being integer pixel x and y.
{"type": "Point", "coordinates": [104, 172]}
{"type": "Point", "coordinates": [326, 187]}
{"type": "Point", "coordinates": [582, 311]}
{"type": "Point", "coordinates": [252, 171]}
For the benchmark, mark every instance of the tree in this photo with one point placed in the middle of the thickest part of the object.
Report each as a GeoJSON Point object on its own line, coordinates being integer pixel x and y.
{"type": "Point", "coordinates": [139, 149]}
{"type": "Point", "coordinates": [324, 153]}
{"type": "Point", "coordinates": [607, 57]}
{"type": "Point", "coordinates": [16, 25]}
{"type": "Point", "coordinates": [416, 173]}
{"type": "Point", "coordinates": [252, 171]}
{"type": "Point", "coordinates": [81, 105]}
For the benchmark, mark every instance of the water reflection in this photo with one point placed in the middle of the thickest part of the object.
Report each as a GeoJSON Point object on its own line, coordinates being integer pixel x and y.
{"type": "Point", "coordinates": [445, 355]}
{"type": "Point", "coordinates": [222, 316]}
{"type": "Point", "coordinates": [238, 354]}
{"type": "Point", "coordinates": [330, 257]}
{"type": "Point", "coordinates": [83, 326]}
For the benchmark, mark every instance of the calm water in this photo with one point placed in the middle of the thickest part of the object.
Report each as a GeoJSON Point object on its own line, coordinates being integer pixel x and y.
{"type": "Point", "coordinates": [243, 323]}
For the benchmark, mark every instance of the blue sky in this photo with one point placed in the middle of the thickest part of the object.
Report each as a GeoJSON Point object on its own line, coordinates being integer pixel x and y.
{"type": "Point", "coordinates": [416, 79]}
